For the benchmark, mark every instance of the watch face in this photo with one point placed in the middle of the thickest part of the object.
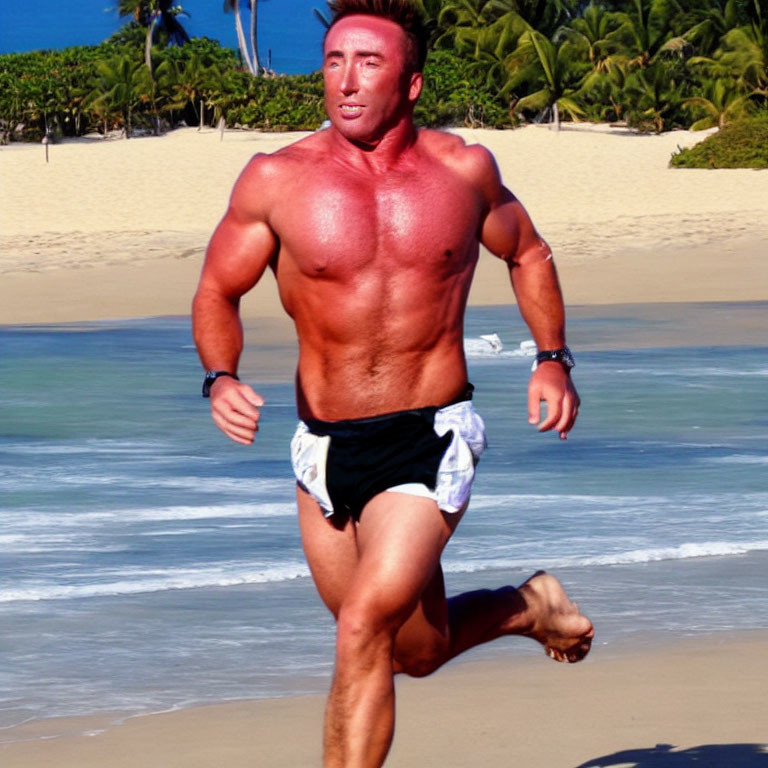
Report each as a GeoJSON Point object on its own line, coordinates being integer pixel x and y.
{"type": "Point", "coordinates": [562, 356]}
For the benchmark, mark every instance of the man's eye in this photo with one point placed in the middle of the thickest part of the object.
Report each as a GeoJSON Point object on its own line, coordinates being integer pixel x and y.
{"type": "Point", "coordinates": [371, 63]}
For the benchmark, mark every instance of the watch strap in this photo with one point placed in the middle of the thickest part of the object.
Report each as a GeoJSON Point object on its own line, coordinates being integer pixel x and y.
{"type": "Point", "coordinates": [563, 355]}
{"type": "Point", "coordinates": [210, 378]}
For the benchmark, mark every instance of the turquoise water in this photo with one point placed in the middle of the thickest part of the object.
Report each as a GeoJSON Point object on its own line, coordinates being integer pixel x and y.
{"type": "Point", "coordinates": [148, 563]}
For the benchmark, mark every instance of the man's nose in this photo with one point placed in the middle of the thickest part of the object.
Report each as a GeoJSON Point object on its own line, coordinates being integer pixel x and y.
{"type": "Point", "coordinates": [349, 81]}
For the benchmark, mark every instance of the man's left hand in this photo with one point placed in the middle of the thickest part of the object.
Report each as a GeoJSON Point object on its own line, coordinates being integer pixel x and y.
{"type": "Point", "coordinates": [550, 383]}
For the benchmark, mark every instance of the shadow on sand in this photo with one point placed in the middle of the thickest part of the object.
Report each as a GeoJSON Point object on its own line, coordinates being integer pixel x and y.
{"type": "Point", "coordinates": [704, 756]}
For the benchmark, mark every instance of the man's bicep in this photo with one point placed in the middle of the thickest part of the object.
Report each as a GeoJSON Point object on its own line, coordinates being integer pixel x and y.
{"type": "Point", "coordinates": [238, 254]}
{"type": "Point", "coordinates": [508, 232]}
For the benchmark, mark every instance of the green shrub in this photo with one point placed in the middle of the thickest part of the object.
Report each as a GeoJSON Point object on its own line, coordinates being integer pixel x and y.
{"type": "Point", "coordinates": [455, 94]}
{"type": "Point", "coordinates": [742, 144]}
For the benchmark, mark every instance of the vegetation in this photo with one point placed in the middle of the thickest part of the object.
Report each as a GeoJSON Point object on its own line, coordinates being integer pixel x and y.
{"type": "Point", "coordinates": [742, 144]}
{"type": "Point", "coordinates": [650, 64]}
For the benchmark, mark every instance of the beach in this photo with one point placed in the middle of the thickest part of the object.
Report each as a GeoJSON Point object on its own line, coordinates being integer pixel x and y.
{"type": "Point", "coordinates": [114, 228]}
{"type": "Point", "coordinates": [698, 703]}
{"type": "Point", "coordinates": [665, 273]}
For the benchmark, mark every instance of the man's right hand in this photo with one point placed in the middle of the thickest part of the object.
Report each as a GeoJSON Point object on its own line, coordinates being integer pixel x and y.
{"type": "Point", "coordinates": [235, 409]}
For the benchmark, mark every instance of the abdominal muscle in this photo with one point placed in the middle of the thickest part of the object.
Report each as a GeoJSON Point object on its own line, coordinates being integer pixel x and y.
{"type": "Point", "coordinates": [333, 387]}
{"type": "Point", "coordinates": [372, 349]}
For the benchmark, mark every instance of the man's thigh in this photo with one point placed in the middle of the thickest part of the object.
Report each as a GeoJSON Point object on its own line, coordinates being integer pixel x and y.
{"type": "Point", "coordinates": [400, 539]}
{"type": "Point", "coordinates": [394, 551]}
{"type": "Point", "coordinates": [330, 549]}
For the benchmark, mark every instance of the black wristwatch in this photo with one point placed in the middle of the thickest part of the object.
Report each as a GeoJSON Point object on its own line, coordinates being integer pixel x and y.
{"type": "Point", "coordinates": [211, 376]}
{"type": "Point", "coordinates": [562, 356]}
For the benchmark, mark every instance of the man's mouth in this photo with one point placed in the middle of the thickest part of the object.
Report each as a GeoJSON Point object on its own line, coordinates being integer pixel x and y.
{"type": "Point", "coordinates": [351, 110]}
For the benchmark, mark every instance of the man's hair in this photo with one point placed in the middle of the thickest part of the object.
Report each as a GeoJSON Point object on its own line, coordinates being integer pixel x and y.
{"type": "Point", "coordinates": [405, 13]}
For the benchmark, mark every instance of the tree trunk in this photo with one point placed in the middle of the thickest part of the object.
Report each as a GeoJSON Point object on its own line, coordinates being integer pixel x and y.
{"type": "Point", "coordinates": [241, 42]}
{"type": "Point", "coordinates": [148, 44]}
{"type": "Point", "coordinates": [254, 43]}
{"type": "Point", "coordinates": [556, 116]}
{"type": "Point", "coordinates": [202, 117]}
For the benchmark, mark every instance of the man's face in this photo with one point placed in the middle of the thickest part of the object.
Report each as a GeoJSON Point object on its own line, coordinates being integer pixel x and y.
{"type": "Point", "coordinates": [368, 83]}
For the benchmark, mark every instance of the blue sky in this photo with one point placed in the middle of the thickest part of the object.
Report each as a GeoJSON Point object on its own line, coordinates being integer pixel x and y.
{"type": "Point", "coordinates": [288, 27]}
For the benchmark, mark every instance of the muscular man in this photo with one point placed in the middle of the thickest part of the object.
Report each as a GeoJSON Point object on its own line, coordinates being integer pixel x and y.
{"type": "Point", "coordinates": [372, 229]}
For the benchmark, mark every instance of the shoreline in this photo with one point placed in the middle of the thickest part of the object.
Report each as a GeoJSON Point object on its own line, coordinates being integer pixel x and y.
{"type": "Point", "coordinates": [164, 287]}
{"type": "Point", "coordinates": [693, 693]}
{"type": "Point", "coordinates": [656, 325]}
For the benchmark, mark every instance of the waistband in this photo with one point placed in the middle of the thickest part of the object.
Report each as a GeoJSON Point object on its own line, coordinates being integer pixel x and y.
{"type": "Point", "coordinates": [353, 426]}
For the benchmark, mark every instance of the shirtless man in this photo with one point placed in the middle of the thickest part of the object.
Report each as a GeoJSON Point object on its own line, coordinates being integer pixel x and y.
{"type": "Point", "coordinates": [371, 228]}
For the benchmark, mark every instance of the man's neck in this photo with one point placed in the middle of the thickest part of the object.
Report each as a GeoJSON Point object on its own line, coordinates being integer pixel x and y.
{"type": "Point", "coordinates": [378, 155]}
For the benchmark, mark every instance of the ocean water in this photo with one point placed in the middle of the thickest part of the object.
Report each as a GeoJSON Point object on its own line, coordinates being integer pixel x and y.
{"type": "Point", "coordinates": [288, 31]}
{"type": "Point", "coordinates": [147, 563]}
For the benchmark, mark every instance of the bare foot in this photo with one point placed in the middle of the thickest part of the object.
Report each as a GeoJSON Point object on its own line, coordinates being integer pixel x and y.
{"type": "Point", "coordinates": [557, 624]}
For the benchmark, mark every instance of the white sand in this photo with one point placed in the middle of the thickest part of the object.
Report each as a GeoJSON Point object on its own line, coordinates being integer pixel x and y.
{"type": "Point", "coordinates": [623, 225]}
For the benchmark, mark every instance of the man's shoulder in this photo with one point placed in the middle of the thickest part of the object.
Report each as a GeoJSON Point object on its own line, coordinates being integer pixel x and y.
{"type": "Point", "coordinates": [286, 160]}
{"type": "Point", "coordinates": [268, 177]}
{"type": "Point", "coordinates": [472, 161]}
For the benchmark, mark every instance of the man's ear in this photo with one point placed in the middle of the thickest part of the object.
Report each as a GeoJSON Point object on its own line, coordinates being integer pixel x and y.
{"type": "Point", "coordinates": [417, 83]}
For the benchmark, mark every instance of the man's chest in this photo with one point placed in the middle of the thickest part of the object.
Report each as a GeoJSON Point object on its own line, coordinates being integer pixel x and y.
{"type": "Point", "coordinates": [338, 225]}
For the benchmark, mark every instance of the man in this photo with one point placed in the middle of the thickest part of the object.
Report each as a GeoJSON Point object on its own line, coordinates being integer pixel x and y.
{"type": "Point", "coordinates": [371, 228]}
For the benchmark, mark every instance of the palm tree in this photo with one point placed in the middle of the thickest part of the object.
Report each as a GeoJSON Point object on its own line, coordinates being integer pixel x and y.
{"type": "Point", "coordinates": [233, 6]}
{"type": "Point", "coordinates": [551, 67]}
{"type": "Point", "coordinates": [116, 91]}
{"type": "Point", "coordinates": [153, 15]}
{"type": "Point", "coordinates": [645, 31]}
{"type": "Point", "coordinates": [714, 22]}
{"type": "Point", "coordinates": [724, 102]}
{"type": "Point", "coordinates": [494, 46]}
{"type": "Point", "coordinates": [250, 57]}
{"type": "Point", "coordinates": [191, 87]}
{"type": "Point", "coordinates": [254, 38]}
{"type": "Point", "coordinates": [742, 55]}
{"type": "Point", "coordinates": [592, 30]}
{"type": "Point", "coordinates": [455, 18]}
{"type": "Point", "coordinates": [653, 96]}
{"type": "Point", "coordinates": [745, 49]}
{"type": "Point", "coordinates": [545, 16]}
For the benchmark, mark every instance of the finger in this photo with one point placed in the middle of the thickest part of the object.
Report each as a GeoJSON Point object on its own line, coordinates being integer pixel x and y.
{"type": "Point", "coordinates": [251, 396]}
{"type": "Point", "coordinates": [236, 418]}
{"type": "Point", "coordinates": [238, 439]}
{"type": "Point", "coordinates": [233, 404]}
{"type": "Point", "coordinates": [244, 402]}
{"type": "Point", "coordinates": [572, 421]}
{"type": "Point", "coordinates": [554, 412]}
{"type": "Point", "coordinates": [239, 434]}
{"type": "Point", "coordinates": [567, 416]}
{"type": "Point", "coordinates": [575, 410]}
{"type": "Point", "coordinates": [534, 405]}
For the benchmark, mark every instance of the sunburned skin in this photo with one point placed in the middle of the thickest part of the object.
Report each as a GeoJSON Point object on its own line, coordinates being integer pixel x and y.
{"type": "Point", "coordinates": [376, 276]}
{"type": "Point", "coordinates": [372, 229]}
{"type": "Point", "coordinates": [375, 272]}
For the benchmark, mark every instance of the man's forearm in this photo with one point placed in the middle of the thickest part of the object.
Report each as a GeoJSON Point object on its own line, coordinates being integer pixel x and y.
{"type": "Point", "coordinates": [540, 300]}
{"type": "Point", "coordinates": [217, 330]}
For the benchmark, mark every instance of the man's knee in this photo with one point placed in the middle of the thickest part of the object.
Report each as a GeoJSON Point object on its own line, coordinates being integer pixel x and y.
{"type": "Point", "coordinates": [365, 629]}
{"type": "Point", "coordinates": [422, 660]}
